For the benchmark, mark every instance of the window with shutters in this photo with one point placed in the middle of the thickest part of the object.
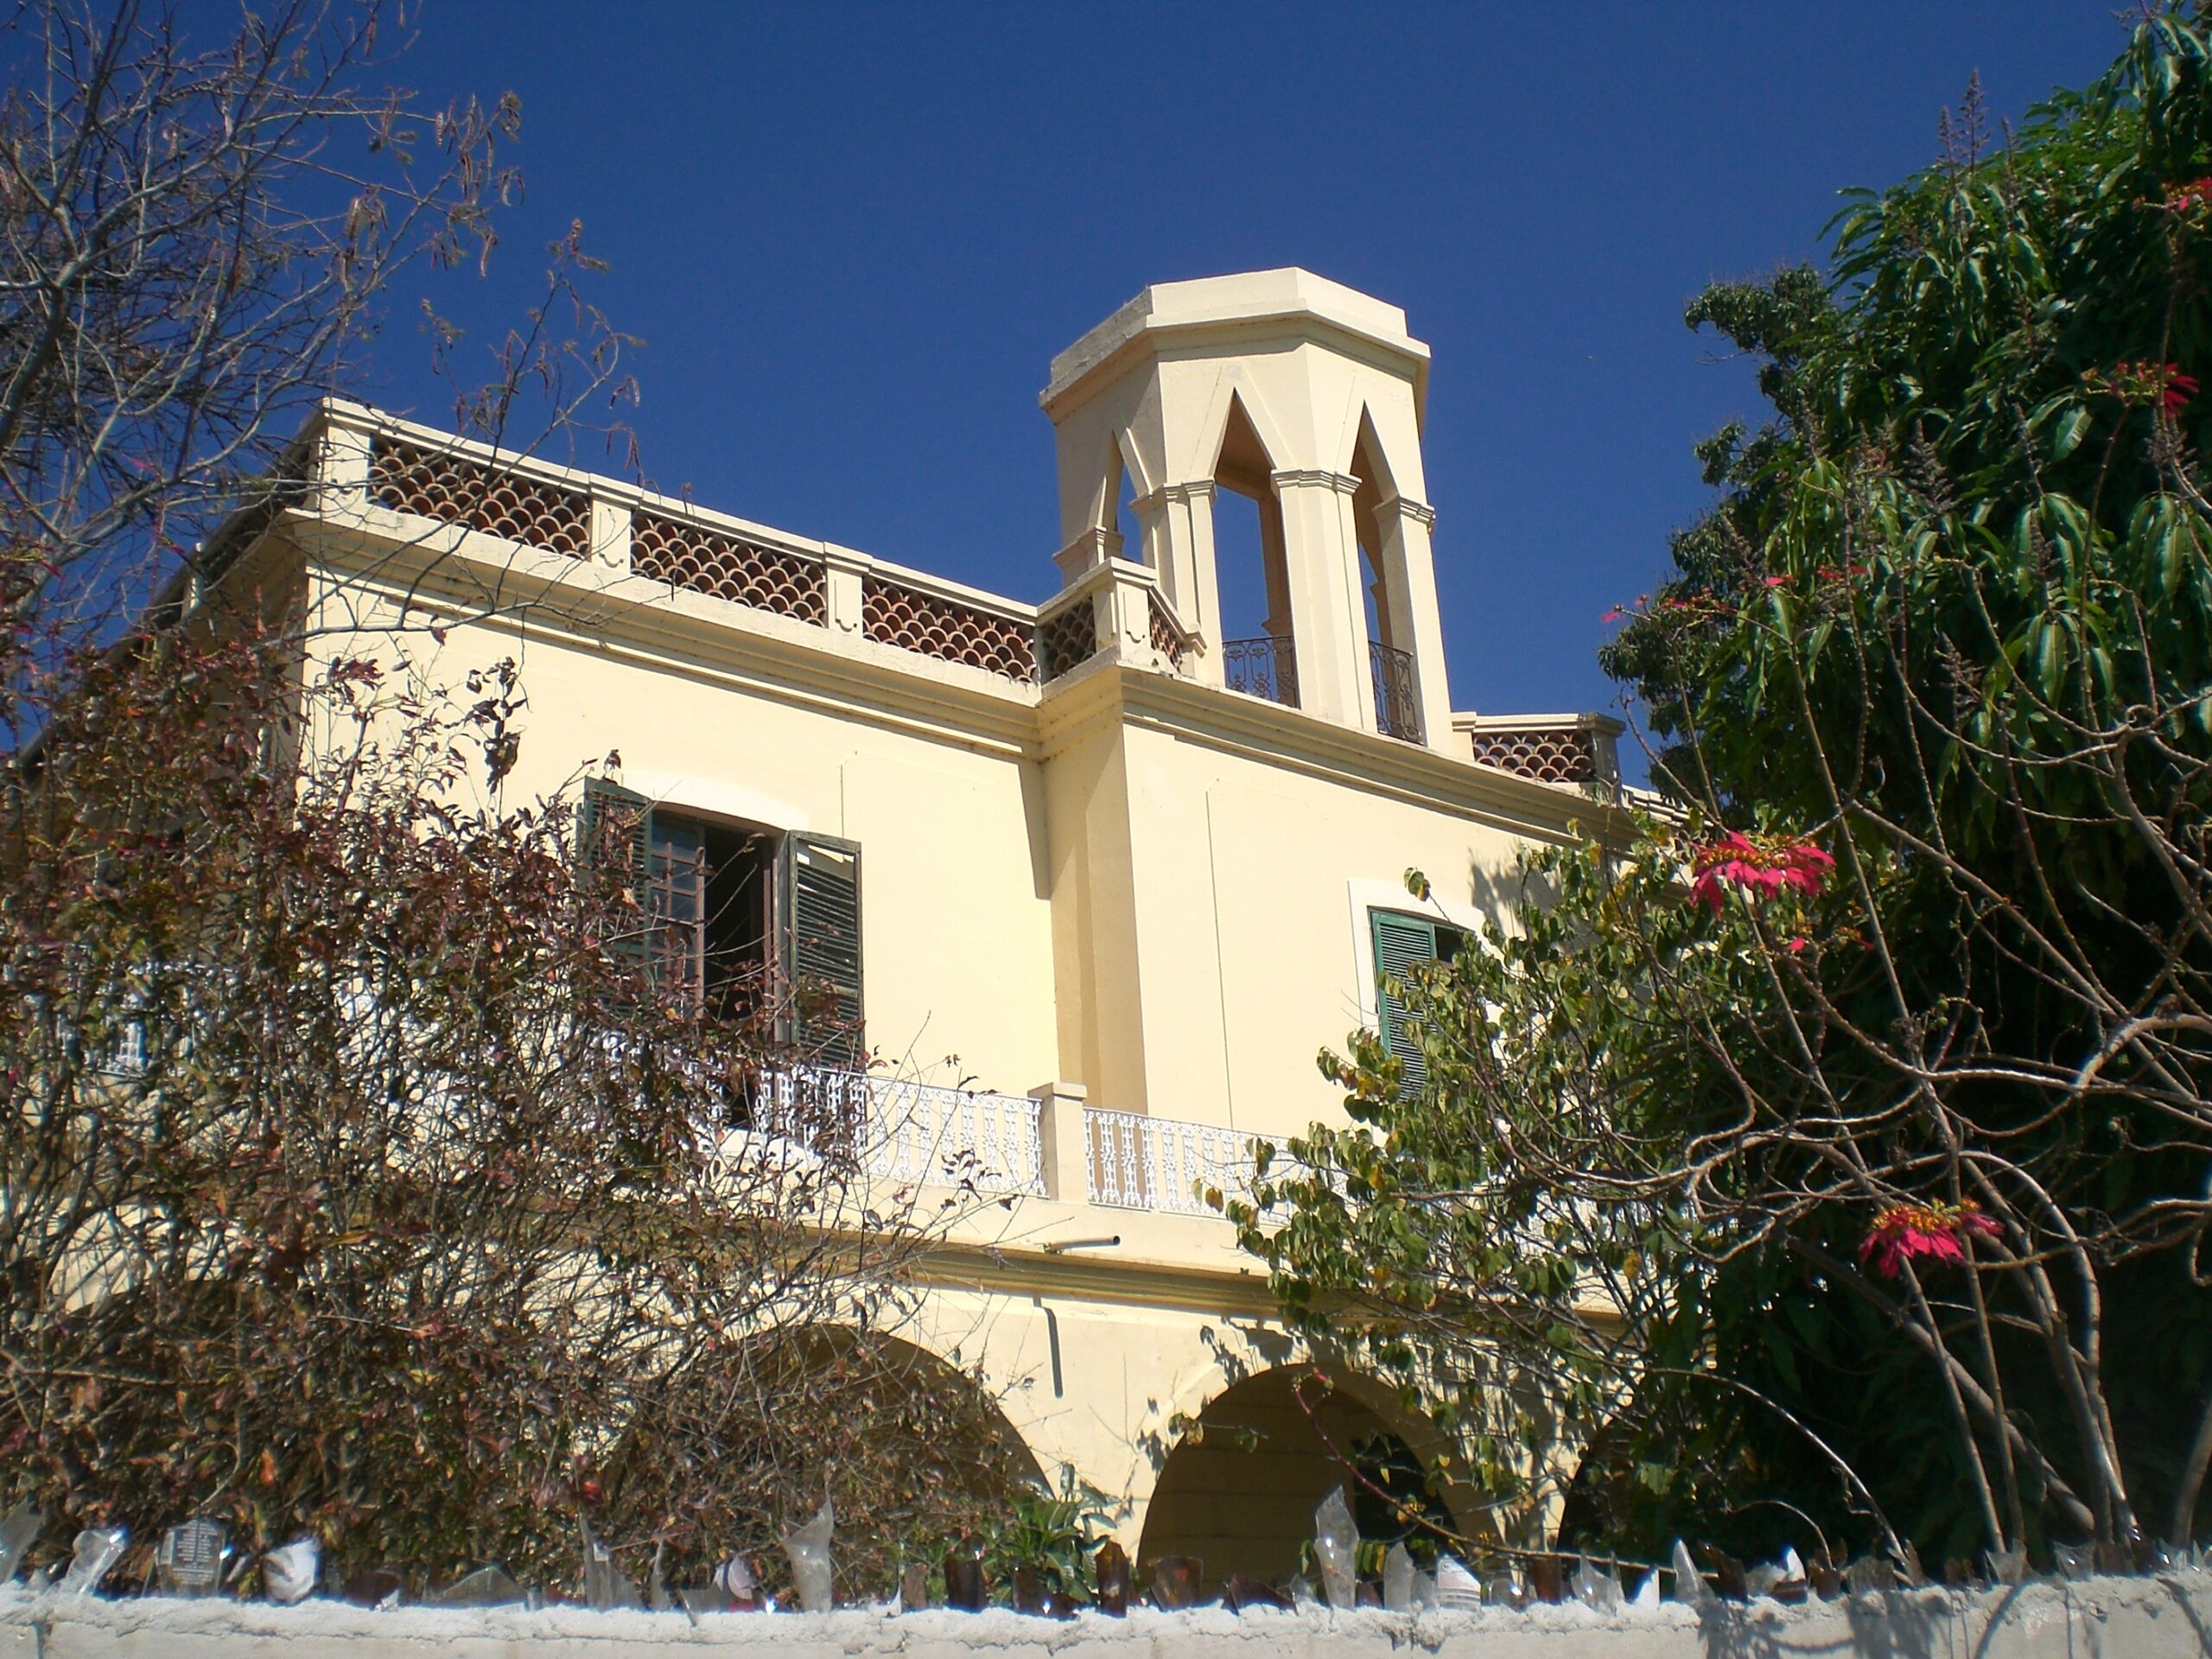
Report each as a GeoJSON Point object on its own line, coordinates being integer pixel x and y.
{"type": "Point", "coordinates": [1401, 941]}
{"type": "Point", "coordinates": [731, 915]}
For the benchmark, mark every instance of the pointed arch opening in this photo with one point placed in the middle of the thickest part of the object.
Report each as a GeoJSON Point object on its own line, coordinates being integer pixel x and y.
{"type": "Point", "coordinates": [1128, 523]}
{"type": "Point", "coordinates": [1250, 571]}
{"type": "Point", "coordinates": [1392, 666]}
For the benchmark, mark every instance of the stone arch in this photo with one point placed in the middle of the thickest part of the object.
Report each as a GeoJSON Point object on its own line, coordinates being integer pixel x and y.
{"type": "Point", "coordinates": [1239, 1489]}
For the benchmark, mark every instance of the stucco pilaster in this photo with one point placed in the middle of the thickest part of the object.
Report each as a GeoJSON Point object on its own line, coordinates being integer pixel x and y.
{"type": "Point", "coordinates": [1328, 617]}
{"type": "Point", "coordinates": [1415, 623]}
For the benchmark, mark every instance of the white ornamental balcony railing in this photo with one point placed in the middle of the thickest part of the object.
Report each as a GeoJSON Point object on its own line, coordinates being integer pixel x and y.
{"type": "Point", "coordinates": [921, 1132]}
{"type": "Point", "coordinates": [1136, 1162]}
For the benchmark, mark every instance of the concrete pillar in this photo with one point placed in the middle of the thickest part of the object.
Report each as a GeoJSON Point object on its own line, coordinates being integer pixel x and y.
{"type": "Point", "coordinates": [1186, 564]}
{"type": "Point", "coordinates": [1065, 1138]}
{"type": "Point", "coordinates": [844, 570]}
{"type": "Point", "coordinates": [342, 464]}
{"type": "Point", "coordinates": [610, 535]}
{"type": "Point", "coordinates": [1087, 552]}
{"type": "Point", "coordinates": [1328, 616]}
{"type": "Point", "coordinates": [1410, 581]}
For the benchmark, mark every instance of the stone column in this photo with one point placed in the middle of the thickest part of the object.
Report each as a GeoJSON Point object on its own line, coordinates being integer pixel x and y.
{"type": "Point", "coordinates": [1410, 581]}
{"type": "Point", "coordinates": [1328, 616]}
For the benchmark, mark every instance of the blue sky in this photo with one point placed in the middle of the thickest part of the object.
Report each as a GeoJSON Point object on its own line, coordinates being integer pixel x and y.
{"type": "Point", "coordinates": [850, 240]}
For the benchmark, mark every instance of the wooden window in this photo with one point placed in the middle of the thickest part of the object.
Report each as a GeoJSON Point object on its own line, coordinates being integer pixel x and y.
{"type": "Point", "coordinates": [1400, 942]}
{"type": "Point", "coordinates": [818, 916]}
{"type": "Point", "coordinates": [728, 914]}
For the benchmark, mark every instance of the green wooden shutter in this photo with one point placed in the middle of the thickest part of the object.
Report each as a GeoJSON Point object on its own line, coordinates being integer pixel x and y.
{"type": "Point", "coordinates": [1400, 942]}
{"type": "Point", "coordinates": [614, 833]}
{"type": "Point", "coordinates": [819, 886]}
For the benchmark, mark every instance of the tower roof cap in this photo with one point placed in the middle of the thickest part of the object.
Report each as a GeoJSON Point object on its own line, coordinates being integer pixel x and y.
{"type": "Point", "coordinates": [1288, 294]}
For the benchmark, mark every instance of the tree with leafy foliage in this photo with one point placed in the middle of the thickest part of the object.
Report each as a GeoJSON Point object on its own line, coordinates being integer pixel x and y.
{"type": "Point", "coordinates": [1841, 1149]}
{"type": "Point", "coordinates": [356, 1180]}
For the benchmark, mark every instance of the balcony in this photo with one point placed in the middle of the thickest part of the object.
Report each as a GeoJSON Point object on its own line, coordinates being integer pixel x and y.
{"type": "Point", "coordinates": [914, 1132]}
{"type": "Point", "coordinates": [1397, 709]}
{"type": "Point", "coordinates": [1266, 667]}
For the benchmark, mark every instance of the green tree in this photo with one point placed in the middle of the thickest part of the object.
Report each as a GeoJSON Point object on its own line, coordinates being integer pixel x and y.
{"type": "Point", "coordinates": [1842, 1145]}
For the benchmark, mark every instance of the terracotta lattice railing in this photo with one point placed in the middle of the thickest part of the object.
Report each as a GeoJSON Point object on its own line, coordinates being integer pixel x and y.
{"type": "Point", "coordinates": [936, 627]}
{"type": "Point", "coordinates": [461, 489]}
{"type": "Point", "coordinates": [1564, 757]}
{"type": "Point", "coordinates": [710, 562]}
{"type": "Point", "coordinates": [1067, 638]}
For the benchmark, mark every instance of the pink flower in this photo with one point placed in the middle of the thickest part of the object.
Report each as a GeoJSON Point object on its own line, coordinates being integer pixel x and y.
{"type": "Point", "coordinates": [1936, 1232]}
{"type": "Point", "coordinates": [1760, 868]}
{"type": "Point", "coordinates": [2180, 198]}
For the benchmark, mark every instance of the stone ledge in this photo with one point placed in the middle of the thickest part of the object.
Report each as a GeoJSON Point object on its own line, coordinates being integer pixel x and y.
{"type": "Point", "coordinates": [2169, 1616]}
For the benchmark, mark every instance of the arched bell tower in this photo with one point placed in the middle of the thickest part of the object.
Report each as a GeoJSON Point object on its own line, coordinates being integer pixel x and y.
{"type": "Point", "coordinates": [1307, 397]}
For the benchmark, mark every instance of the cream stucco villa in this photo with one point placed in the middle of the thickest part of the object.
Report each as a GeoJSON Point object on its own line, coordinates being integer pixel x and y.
{"type": "Point", "coordinates": [1133, 874]}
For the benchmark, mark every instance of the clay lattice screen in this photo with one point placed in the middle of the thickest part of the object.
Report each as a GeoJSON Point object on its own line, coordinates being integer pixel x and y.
{"type": "Point", "coordinates": [462, 490]}
{"type": "Point", "coordinates": [1167, 638]}
{"type": "Point", "coordinates": [948, 630]}
{"type": "Point", "coordinates": [709, 562]}
{"type": "Point", "coordinates": [1065, 638]}
{"type": "Point", "coordinates": [1562, 756]}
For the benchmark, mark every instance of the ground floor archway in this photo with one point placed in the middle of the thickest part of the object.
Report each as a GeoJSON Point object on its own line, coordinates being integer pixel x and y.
{"type": "Point", "coordinates": [1239, 1490]}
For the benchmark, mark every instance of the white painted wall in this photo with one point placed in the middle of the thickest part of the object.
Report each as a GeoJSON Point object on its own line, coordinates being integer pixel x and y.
{"type": "Point", "coordinates": [2166, 1618]}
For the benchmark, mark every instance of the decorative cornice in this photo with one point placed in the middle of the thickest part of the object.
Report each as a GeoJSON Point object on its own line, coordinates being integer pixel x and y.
{"type": "Point", "coordinates": [1420, 511]}
{"type": "Point", "coordinates": [1115, 691]}
{"type": "Point", "coordinates": [1311, 477]}
{"type": "Point", "coordinates": [749, 650]}
{"type": "Point", "coordinates": [1098, 1278]}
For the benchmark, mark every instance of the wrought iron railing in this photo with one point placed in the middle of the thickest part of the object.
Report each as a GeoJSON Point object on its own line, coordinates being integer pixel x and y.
{"type": "Point", "coordinates": [915, 1131]}
{"type": "Point", "coordinates": [1136, 1162]}
{"type": "Point", "coordinates": [1266, 667]}
{"type": "Point", "coordinates": [1397, 711]}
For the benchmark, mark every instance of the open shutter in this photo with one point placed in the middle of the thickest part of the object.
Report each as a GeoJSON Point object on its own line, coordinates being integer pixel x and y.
{"type": "Point", "coordinates": [614, 834]}
{"type": "Point", "coordinates": [1400, 942]}
{"type": "Point", "coordinates": [819, 886]}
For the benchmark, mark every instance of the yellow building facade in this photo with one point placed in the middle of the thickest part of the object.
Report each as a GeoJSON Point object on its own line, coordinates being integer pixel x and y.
{"type": "Point", "coordinates": [1113, 878]}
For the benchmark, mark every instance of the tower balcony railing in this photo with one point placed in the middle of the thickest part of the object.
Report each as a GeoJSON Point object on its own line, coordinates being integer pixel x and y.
{"type": "Point", "coordinates": [1266, 667]}
{"type": "Point", "coordinates": [1397, 709]}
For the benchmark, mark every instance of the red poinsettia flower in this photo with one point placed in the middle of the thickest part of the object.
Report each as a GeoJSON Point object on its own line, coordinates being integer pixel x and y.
{"type": "Point", "coordinates": [1933, 1232]}
{"type": "Point", "coordinates": [2181, 198]}
{"type": "Point", "coordinates": [1759, 867]}
{"type": "Point", "coordinates": [2144, 383]}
